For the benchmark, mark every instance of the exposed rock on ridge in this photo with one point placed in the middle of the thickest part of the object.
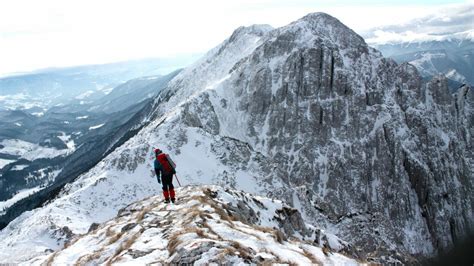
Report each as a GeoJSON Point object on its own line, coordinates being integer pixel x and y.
{"type": "Point", "coordinates": [207, 225]}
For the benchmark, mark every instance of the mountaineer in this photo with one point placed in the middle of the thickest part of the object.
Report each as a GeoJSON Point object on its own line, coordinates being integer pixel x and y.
{"type": "Point", "coordinates": [165, 169]}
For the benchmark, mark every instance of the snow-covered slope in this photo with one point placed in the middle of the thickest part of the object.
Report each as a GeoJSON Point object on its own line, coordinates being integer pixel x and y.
{"type": "Point", "coordinates": [207, 224]}
{"type": "Point", "coordinates": [306, 113]}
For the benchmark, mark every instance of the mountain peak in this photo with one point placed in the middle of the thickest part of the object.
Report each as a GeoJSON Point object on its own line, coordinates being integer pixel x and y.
{"type": "Point", "coordinates": [319, 16]}
{"type": "Point", "coordinates": [324, 26]}
{"type": "Point", "coordinates": [258, 30]}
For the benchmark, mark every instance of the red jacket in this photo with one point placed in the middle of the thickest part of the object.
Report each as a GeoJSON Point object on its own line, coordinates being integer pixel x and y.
{"type": "Point", "coordinates": [163, 166]}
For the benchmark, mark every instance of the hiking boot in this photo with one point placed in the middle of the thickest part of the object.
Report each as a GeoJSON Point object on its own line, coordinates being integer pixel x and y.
{"type": "Point", "coordinates": [173, 200]}
{"type": "Point", "coordinates": [167, 201]}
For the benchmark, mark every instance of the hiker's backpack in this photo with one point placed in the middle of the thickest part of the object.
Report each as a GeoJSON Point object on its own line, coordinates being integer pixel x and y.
{"type": "Point", "coordinates": [172, 164]}
{"type": "Point", "coordinates": [167, 164]}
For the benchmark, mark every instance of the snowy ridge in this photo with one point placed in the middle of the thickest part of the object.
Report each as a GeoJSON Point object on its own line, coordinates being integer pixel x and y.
{"type": "Point", "coordinates": [215, 65]}
{"type": "Point", "coordinates": [208, 224]}
{"type": "Point", "coordinates": [425, 63]}
{"type": "Point", "coordinates": [455, 75]}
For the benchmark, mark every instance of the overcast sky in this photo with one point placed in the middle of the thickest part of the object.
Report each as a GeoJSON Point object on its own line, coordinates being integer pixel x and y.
{"type": "Point", "coordinates": [52, 33]}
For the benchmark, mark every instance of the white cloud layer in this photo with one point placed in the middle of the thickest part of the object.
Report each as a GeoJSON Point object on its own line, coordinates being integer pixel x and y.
{"type": "Point", "coordinates": [454, 21]}
{"type": "Point", "coordinates": [52, 33]}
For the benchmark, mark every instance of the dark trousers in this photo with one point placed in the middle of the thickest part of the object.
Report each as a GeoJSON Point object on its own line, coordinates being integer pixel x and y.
{"type": "Point", "coordinates": [167, 182]}
{"type": "Point", "coordinates": [168, 188]}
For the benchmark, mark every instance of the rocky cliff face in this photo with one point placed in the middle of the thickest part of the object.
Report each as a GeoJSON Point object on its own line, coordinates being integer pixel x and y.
{"type": "Point", "coordinates": [364, 144]}
{"type": "Point", "coordinates": [310, 114]}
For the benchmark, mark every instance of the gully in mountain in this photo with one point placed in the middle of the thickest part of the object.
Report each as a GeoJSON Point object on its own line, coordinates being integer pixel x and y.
{"type": "Point", "coordinates": [165, 168]}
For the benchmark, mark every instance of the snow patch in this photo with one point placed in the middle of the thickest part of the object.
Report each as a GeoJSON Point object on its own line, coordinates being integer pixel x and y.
{"type": "Point", "coordinates": [19, 167]}
{"type": "Point", "coordinates": [38, 114]}
{"type": "Point", "coordinates": [84, 95]}
{"type": "Point", "coordinates": [96, 127]}
{"type": "Point", "coordinates": [4, 162]}
{"type": "Point", "coordinates": [67, 139]}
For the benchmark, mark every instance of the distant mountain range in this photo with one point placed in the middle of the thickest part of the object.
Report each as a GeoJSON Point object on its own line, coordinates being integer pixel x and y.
{"type": "Point", "coordinates": [452, 58]}
{"type": "Point", "coordinates": [435, 44]}
{"type": "Point", "coordinates": [62, 86]}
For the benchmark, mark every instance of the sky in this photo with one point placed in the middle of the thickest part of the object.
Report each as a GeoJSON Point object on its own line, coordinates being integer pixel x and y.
{"type": "Point", "coordinates": [54, 33]}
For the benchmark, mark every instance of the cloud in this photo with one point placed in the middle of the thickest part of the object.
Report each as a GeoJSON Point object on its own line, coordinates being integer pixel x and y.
{"type": "Point", "coordinates": [454, 21]}
{"type": "Point", "coordinates": [54, 33]}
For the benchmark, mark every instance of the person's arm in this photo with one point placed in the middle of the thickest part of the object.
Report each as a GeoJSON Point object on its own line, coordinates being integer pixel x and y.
{"type": "Point", "coordinates": [158, 171]}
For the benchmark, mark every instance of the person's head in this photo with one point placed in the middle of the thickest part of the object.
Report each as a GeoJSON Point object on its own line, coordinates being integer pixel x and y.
{"type": "Point", "coordinates": [157, 151]}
